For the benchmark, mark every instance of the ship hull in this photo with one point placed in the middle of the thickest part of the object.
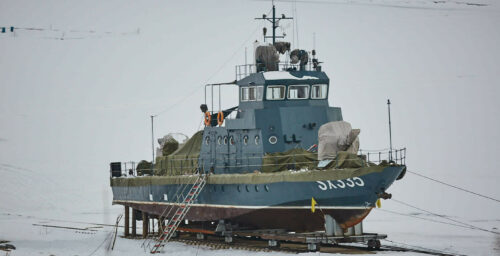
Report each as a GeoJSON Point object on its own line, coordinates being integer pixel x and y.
{"type": "Point", "coordinates": [285, 205]}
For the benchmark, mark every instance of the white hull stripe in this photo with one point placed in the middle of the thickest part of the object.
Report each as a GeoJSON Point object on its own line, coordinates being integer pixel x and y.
{"type": "Point", "coordinates": [247, 206]}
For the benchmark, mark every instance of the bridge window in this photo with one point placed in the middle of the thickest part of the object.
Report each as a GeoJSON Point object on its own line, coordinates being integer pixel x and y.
{"type": "Point", "coordinates": [319, 91]}
{"type": "Point", "coordinates": [275, 92]}
{"type": "Point", "coordinates": [252, 93]}
{"type": "Point", "coordinates": [298, 92]}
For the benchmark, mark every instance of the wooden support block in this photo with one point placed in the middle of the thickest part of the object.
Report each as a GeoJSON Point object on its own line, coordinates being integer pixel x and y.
{"type": "Point", "coordinates": [145, 224]}
{"type": "Point", "coordinates": [134, 222]}
{"type": "Point", "coordinates": [127, 222]}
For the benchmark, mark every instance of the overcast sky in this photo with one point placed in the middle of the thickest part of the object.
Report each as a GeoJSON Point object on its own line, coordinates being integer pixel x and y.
{"type": "Point", "coordinates": [69, 107]}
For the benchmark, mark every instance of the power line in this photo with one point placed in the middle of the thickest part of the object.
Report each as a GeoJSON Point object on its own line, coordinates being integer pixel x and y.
{"type": "Point", "coordinates": [454, 186]}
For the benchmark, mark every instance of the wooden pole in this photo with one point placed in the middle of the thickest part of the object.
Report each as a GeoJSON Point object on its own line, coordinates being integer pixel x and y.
{"type": "Point", "coordinates": [134, 222]}
{"type": "Point", "coordinates": [160, 225]}
{"type": "Point", "coordinates": [145, 224]}
{"type": "Point", "coordinates": [153, 225]}
{"type": "Point", "coordinates": [127, 222]}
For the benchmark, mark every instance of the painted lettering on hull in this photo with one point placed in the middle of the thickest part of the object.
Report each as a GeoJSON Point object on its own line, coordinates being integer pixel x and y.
{"type": "Point", "coordinates": [341, 184]}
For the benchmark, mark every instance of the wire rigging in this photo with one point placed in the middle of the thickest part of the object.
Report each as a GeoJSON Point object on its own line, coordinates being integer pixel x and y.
{"type": "Point", "coordinates": [454, 186]}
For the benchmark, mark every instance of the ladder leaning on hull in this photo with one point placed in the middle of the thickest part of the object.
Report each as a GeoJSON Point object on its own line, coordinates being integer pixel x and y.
{"type": "Point", "coordinates": [184, 204]}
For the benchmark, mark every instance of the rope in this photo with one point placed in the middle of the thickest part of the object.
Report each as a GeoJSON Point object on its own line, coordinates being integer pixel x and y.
{"type": "Point", "coordinates": [453, 186]}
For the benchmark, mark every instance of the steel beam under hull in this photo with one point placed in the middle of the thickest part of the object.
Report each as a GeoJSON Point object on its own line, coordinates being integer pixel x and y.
{"type": "Point", "coordinates": [299, 219]}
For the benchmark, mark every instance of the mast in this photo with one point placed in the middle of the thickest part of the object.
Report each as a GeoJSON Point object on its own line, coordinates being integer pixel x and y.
{"type": "Point", "coordinates": [390, 131]}
{"type": "Point", "coordinates": [275, 23]}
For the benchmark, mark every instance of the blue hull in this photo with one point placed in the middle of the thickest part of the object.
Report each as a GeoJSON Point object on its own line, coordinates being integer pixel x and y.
{"type": "Point", "coordinates": [348, 200]}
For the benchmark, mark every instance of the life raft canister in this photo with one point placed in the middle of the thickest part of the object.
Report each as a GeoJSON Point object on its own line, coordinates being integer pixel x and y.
{"type": "Point", "coordinates": [207, 118]}
{"type": "Point", "coordinates": [220, 118]}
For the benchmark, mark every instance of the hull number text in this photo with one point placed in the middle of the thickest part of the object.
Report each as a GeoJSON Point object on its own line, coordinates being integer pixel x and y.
{"type": "Point", "coordinates": [336, 184]}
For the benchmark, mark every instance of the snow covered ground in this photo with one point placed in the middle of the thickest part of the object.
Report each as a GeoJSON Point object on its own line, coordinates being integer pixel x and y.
{"type": "Point", "coordinates": [72, 100]}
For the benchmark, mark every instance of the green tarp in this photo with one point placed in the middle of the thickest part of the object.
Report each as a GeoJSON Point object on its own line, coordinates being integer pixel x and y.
{"type": "Point", "coordinates": [183, 161]}
{"type": "Point", "coordinates": [293, 159]}
{"type": "Point", "coordinates": [345, 159]}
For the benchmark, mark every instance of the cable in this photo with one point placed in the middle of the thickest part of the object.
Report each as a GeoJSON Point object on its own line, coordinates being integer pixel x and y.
{"type": "Point", "coordinates": [210, 77]}
{"type": "Point", "coordinates": [423, 249]}
{"type": "Point", "coordinates": [413, 216]}
{"type": "Point", "coordinates": [444, 217]}
{"type": "Point", "coordinates": [453, 186]}
{"type": "Point", "coordinates": [110, 235]}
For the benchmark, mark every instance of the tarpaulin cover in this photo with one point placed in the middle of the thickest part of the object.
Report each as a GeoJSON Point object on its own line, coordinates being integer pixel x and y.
{"type": "Point", "coordinates": [293, 159]}
{"type": "Point", "coordinates": [184, 160]}
{"type": "Point", "coordinates": [337, 136]}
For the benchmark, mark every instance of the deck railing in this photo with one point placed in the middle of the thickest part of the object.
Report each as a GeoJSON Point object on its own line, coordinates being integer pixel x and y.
{"type": "Point", "coordinates": [242, 71]}
{"type": "Point", "coordinates": [397, 156]}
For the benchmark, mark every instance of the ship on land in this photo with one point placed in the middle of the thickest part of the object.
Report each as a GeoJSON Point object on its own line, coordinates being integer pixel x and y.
{"type": "Point", "coordinates": [268, 161]}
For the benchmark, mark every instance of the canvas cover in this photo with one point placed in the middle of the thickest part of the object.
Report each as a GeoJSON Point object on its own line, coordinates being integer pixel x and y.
{"type": "Point", "coordinates": [184, 160]}
{"type": "Point", "coordinates": [337, 136]}
{"type": "Point", "coordinates": [294, 159]}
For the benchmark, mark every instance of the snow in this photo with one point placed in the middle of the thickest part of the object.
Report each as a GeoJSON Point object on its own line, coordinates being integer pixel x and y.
{"type": "Point", "coordinates": [278, 75]}
{"type": "Point", "coordinates": [69, 107]}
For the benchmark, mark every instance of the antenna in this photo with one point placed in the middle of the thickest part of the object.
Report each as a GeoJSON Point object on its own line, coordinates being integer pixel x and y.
{"type": "Point", "coordinates": [275, 23]}
{"type": "Point", "coordinates": [390, 132]}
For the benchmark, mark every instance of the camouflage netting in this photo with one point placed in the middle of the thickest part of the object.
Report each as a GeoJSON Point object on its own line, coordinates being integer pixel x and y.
{"type": "Point", "coordinates": [293, 159]}
{"type": "Point", "coordinates": [184, 160]}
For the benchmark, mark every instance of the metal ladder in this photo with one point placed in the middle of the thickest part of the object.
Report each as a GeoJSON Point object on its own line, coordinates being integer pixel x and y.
{"type": "Point", "coordinates": [166, 232]}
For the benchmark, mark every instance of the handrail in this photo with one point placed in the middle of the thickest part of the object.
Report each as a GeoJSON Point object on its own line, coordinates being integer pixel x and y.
{"type": "Point", "coordinates": [396, 156]}
{"type": "Point", "coordinates": [244, 70]}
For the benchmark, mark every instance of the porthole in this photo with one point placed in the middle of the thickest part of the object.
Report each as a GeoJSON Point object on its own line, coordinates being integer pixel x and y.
{"type": "Point", "coordinates": [231, 140]}
{"type": "Point", "coordinates": [222, 188]}
{"type": "Point", "coordinates": [257, 139]}
{"type": "Point", "coordinates": [245, 140]}
{"type": "Point", "coordinates": [266, 187]}
{"type": "Point", "coordinates": [273, 139]}
{"type": "Point", "coordinates": [219, 140]}
{"type": "Point", "coordinates": [225, 140]}
{"type": "Point", "coordinates": [215, 188]}
{"type": "Point", "coordinates": [247, 188]}
{"type": "Point", "coordinates": [238, 188]}
{"type": "Point", "coordinates": [207, 140]}
{"type": "Point", "coordinates": [257, 188]}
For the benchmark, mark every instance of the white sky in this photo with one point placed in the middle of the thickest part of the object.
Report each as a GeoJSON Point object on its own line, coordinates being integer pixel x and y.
{"type": "Point", "coordinates": [69, 107]}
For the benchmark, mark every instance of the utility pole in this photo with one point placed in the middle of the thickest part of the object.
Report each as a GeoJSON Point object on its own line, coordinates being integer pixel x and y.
{"type": "Point", "coordinates": [152, 143]}
{"type": "Point", "coordinates": [390, 131]}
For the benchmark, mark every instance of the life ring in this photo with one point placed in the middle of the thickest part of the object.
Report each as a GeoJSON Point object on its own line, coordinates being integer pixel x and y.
{"type": "Point", "coordinates": [220, 118]}
{"type": "Point", "coordinates": [207, 118]}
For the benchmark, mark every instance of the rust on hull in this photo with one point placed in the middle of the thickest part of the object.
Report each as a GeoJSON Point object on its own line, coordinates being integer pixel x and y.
{"type": "Point", "coordinates": [292, 219]}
